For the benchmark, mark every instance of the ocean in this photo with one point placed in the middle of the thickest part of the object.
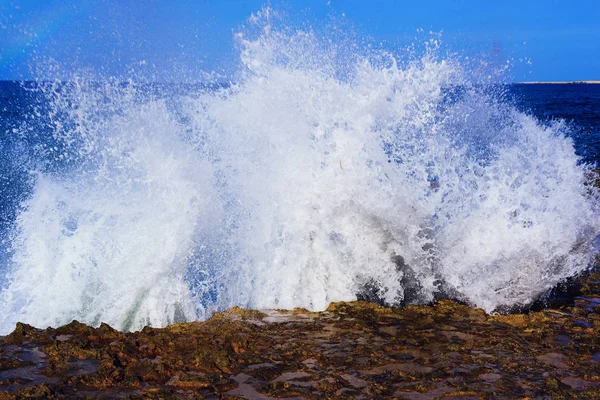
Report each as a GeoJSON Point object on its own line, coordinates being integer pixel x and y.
{"type": "Point", "coordinates": [298, 184]}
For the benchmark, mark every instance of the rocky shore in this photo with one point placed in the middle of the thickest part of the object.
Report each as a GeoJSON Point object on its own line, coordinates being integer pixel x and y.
{"type": "Point", "coordinates": [351, 350]}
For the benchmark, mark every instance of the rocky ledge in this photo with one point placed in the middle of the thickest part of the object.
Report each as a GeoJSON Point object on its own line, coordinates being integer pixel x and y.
{"type": "Point", "coordinates": [351, 350]}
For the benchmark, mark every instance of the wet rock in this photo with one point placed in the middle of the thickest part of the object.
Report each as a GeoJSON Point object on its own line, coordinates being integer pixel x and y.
{"type": "Point", "coordinates": [352, 350]}
{"type": "Point", "coordinates": [413, 290]}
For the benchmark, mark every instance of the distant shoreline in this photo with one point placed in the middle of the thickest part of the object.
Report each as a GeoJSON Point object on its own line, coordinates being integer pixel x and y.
{"type": "Point", "coordinates": [592, 82]}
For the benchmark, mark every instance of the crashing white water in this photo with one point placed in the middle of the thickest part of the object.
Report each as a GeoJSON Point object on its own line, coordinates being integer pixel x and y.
{"type": "Point", "coordinates": [296, 187]}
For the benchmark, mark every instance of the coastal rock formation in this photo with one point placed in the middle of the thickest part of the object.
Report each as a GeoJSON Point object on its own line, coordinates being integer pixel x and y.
{"type": "Point", "coordinates": [351, 350]}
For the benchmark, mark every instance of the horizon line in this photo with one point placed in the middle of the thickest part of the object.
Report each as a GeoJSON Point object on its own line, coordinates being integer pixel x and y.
{"type": "Point", "coordinates": [588, 82]}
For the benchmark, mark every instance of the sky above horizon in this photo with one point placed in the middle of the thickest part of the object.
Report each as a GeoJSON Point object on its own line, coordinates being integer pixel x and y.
{"type": "Point", "coordinates": [551, 40]}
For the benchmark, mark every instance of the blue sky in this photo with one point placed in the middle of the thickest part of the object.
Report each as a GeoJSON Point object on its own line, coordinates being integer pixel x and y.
{"type": "Point", "coordinates": [561, 39]}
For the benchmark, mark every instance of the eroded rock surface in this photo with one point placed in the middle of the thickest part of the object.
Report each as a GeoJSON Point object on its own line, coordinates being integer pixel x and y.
{"type": "Point", "coordinates": [352, 350]}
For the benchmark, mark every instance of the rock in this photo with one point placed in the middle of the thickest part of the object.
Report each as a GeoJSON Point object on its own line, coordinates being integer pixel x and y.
{"type": "Point", "coordinates": [358, 349]}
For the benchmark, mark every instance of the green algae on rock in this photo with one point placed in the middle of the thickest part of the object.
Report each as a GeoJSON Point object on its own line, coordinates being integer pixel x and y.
{"type": "Point", "coordinates": [351, 350]}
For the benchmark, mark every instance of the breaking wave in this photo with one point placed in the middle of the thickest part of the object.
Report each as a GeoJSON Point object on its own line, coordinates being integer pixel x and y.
{"type": "Point", "coordinates": [320, 175]}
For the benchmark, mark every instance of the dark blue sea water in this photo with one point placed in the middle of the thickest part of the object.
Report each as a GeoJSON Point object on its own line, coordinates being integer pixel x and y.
{"type": "Point", "coordinates": [576, 104]}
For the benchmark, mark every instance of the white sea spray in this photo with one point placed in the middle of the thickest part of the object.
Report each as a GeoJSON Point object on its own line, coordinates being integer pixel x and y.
{"type": "Point", "coordinates": [296, 186]}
